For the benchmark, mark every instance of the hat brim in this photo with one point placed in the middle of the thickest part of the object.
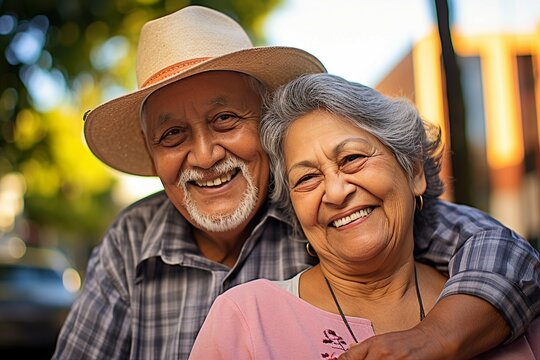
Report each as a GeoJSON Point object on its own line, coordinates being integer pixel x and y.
{"type": "Point", "coordinates": [113, 131]}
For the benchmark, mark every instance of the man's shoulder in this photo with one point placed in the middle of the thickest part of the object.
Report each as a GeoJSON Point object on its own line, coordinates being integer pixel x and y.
{"type": "Point", "coordinates": [137, 221]}
{"type": "Point", "coordinates": [465, 214]}
{"type": "Point", "coordinates": [115, 258]}
{"type": "Point", "coordinates": [144, 209]}
{"type": "Point", "coordinates": [464, 219]}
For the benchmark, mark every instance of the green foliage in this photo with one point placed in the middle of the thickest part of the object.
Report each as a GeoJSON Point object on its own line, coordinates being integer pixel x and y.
{"type": "Point", "coordinates": [60, 58]}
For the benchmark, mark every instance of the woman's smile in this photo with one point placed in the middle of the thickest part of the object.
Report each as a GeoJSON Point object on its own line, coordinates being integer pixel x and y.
{"type": "Point", "coordinates": [345, 220]}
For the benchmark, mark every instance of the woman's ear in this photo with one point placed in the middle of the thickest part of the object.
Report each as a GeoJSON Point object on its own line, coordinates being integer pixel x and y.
{"type": "Point", "coordinates": [419, 183]}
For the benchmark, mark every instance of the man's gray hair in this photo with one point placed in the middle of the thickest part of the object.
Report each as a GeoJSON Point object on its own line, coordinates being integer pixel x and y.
{"type": "Point", "coordinates": [394, 121]}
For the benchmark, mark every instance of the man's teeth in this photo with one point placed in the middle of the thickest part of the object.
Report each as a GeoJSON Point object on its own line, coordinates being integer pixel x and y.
{"type": "Point", "coordinates": [215, 182]}
{"type": "Point", "coordinates": [350, 218]}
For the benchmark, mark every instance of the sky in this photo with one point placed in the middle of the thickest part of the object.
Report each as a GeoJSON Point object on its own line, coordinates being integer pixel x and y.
{"type": "Point", "coordinates": [362, 40]}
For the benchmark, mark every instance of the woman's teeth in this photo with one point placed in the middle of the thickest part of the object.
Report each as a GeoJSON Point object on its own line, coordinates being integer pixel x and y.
{"type": "Point", "coordinates": [350, 218]}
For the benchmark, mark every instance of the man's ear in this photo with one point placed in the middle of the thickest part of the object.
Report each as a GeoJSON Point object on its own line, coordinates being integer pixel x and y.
{"type": "Point", "coordinates": [419, 183]}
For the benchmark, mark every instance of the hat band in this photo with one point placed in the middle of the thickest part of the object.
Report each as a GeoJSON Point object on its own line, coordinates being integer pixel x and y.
{"type": "Point", "coordinates": [172, 70]}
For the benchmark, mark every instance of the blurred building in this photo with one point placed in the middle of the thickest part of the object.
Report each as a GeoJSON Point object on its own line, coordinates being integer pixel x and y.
{"type": "Point", "coordinates": [500, 77]}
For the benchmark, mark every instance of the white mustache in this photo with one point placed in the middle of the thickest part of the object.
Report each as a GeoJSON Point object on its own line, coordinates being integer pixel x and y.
{"type": "Point", "coordinates": [216, 170]}
{"type": "Point", "coordinates": [219, 222]}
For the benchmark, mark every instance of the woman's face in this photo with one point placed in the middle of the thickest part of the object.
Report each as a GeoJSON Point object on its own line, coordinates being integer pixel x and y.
{"type": "Point", "coordinates": [351, 196]}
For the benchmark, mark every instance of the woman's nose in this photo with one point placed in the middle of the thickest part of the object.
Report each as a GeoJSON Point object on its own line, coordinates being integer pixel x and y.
{"type": "Point", "coordinates": [337, 189]}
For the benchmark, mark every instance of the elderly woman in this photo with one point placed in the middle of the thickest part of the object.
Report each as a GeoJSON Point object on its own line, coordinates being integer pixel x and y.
{"type": "Point", "coordinates": [358, 173]}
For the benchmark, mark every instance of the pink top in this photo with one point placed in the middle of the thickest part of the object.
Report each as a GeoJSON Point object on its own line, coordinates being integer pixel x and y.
{"type": "Point", "coordinates": [261, 320]}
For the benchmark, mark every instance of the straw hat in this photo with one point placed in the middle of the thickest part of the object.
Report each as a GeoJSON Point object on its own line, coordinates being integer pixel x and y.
{"type": "Point", "coordinates": [192, 40]}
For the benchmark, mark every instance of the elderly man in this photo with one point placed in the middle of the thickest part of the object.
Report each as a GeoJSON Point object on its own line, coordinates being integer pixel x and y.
{"type": "Point", "coordinates": [194, 123]}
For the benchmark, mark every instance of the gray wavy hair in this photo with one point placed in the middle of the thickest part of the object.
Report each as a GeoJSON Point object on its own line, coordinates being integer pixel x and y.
{"type": "Point", "coordinates": [393, 121]}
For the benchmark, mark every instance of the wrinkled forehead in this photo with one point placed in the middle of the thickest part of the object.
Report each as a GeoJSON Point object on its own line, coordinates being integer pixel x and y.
{"type": "Point", "coordinates": [224, 79]}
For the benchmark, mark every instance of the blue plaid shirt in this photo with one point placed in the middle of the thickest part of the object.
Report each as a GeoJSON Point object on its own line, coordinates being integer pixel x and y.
{"type": "Point", "coordinates": [148, 288]}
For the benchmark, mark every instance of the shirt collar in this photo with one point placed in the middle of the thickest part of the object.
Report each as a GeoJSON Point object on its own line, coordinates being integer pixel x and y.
{"type": "Point", "coordinates": [168, 235]}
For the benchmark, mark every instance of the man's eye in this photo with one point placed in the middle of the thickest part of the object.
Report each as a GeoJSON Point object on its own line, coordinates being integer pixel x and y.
{"type": "Point", "coordinates": [224, 117]}
{"type": "Point", "coordinates": [225, 121]}
{"type": "Point", "coordinates": [169, 133]}
{"type": "Point", "coordinates": [172, 137]}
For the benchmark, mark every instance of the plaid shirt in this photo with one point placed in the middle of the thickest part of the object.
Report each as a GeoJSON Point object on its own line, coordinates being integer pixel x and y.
{"type": "Point", "coordinates": [148, 289]}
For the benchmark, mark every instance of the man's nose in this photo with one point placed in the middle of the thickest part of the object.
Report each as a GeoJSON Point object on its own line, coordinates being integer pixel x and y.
{"type": "Point", "coordinates": [337, 189]}
{"type": "Point", "coordinates": [205, 150]}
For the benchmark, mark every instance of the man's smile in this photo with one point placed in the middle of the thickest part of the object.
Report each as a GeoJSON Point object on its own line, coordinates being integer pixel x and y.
{"type": "Point", "coordinates": [217, 181]}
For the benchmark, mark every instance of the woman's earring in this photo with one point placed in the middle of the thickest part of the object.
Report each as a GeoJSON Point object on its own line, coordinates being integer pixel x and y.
{"type": "Point", "coordinates": [420, 203]}
{"type": "Point", "coordinates": [310, 251]}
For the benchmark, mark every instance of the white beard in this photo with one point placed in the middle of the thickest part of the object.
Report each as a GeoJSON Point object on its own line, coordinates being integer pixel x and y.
{"type": "Point", "coordinates": [220, 222]}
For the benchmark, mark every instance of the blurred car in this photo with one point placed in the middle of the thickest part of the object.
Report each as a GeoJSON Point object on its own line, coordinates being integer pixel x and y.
{"type": "Point", "coordinates": [37, 289]}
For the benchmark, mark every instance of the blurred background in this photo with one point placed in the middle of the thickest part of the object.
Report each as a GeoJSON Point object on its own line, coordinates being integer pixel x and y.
{"type": "Point", "coordinates": [471, 66]}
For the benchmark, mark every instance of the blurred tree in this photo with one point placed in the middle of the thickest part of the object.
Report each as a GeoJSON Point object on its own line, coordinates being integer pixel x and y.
{"type": "Point", "coordinates": [59, 58]}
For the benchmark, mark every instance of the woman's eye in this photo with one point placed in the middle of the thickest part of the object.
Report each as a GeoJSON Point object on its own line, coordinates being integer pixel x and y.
{"type": "Point", "coordinates": [352, 163]}
{"type": "Point", "coordinates": [352, 157]}
{"type": "Point", "coordinates": [305, 180]}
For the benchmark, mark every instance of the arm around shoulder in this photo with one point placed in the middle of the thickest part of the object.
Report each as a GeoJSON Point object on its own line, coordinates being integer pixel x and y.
{"type": "Point", "coordinates": [494, 284]}
{"type": "Point", "coordinates": [503, 269]}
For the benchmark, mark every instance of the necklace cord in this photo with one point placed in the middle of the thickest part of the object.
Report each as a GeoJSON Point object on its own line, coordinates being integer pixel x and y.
{"type": "Point", "coordinates": [340, 311]}
{"type": "Point", "coordinates": [418, 296]}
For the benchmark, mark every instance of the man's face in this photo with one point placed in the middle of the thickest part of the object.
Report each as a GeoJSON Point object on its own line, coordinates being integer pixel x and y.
{"type": "Point", "coordinates": [201, 133]}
